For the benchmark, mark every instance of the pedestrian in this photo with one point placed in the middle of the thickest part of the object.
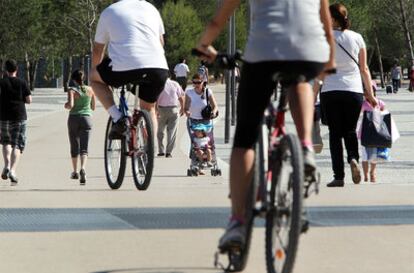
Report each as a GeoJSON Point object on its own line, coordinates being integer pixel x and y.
{"type": "Point", "coordinates": [81, 103]}
{"type": "Point", "coordinates": [181, 70]}
{"type": "Point", "coordinates": [411, 87]}
{"type": "Point", "coordinates": [342, 95]}
{"type": "Point", "coordinates": [369, 154]}
{"type": "Point", "coordinates": [14, 95]}
{"type": "Point", "coordinates": [396, 77]}
{"type": "Point", "coordinates": [202, 145]}
{"type": "Point", "coordinates": [170, 105]}
{"type": "Point", "coordinates": [203, 72]}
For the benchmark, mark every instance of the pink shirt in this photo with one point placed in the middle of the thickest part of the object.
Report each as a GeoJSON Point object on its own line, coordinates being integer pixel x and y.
{"type": "Point", "coordinates": [169, 96]}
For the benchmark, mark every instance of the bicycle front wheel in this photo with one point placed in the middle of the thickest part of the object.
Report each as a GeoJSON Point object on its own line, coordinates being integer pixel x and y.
{"type": "Point", "coordinates": [283, 220]}
{"type": "Point", "coordinates": [115, 159]}
{"type": "Point", "coordinates": [143, 155]}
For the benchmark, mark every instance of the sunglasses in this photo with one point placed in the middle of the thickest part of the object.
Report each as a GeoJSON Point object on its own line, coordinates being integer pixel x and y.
{"type": "Point", "coordinates": [197, 82]}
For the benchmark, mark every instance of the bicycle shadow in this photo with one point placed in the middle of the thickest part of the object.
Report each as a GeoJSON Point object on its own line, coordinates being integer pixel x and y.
{"type": "Point", "coordinates": [163, 270]}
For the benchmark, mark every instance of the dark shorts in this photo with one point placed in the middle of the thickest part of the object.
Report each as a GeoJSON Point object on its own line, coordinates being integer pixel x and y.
{"type": "Point", "coordinates": [151, 80]}
{"type": "Point", "coordinates": [257, 84]}
{"type": "Point", "coordinates": [13, 133]}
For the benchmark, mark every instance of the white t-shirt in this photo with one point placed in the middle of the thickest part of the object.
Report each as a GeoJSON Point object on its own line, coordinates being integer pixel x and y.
{"type": "Point", "coordinates": [132, 30]}
{"type": "Point", "coordinates": [197, 103]}
{"type": "Point", "coordinates": [286, 30]}
{"type": "Point", "coordinates": [201, 142]}
{"type": "Point", "coordinates": [348, 76]}
{"type": "Point", "coordinates": [181, 70]}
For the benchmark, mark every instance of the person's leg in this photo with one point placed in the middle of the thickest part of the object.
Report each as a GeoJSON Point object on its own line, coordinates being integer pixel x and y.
{"type": "Point", "coordinates": [162, 123]}
{"type": "Point", "coordinates": [373, 176]}
{"type": "Point", "coordinates": [6, 155]}
{"type": "Point", "coordinates": [84, 136]}
{"type": "Point", "coordinates": [332, 105]}
{"type": "Point", "coordinates": [75, 164]}
{"type": "Point", "coordinates": [353, 104]}
{"type": "Point", "coordinates": [150, 107]}
{"type": "Point", "coordinates": [301, 102]}
{"type": "Point", "coordinates": [208, 153]}
{"type": "Point", "coordinates": [172, 129]}
{"type": "Point", "coordinates": [14, 160]}
{"type": "Point", "coordinates": [365, 170]}
{"type": "Point", "coordinates": [73, 130]}
{"type": "Point", "coordinates": [102, 91]}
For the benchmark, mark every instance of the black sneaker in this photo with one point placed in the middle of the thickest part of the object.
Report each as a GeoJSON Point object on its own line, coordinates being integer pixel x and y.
{"type": "Point", "coordinates": [74, 175]}
{"type": "Point", "coordinates": [82, 178]}
{"type": "Point", "coordinates": [336, 183]}
{"type": "Point", "coordinates": [5, 174]}
{"type": "Point", "coordinates": [168, 155]}
{"type": "Point", "coordinates": [119, 128]}
{"type": "Point", "coordinates": [160, 154]}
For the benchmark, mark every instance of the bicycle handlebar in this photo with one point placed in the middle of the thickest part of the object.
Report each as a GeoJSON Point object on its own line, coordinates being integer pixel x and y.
{"type": "Point", "coordinates": [224, 60]}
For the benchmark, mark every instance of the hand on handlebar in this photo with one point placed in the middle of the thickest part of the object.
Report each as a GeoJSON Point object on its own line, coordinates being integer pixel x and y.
{"type": "Point", "coordinates": [207, 53]}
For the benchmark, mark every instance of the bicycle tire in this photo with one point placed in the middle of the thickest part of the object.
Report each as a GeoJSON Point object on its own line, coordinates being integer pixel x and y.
{"type": "Point", "coordinates": [281, 259]}
{"type": "Point", "coordinates": [115, 159]}
{"type": "Point", "coordinates": [143, 159]}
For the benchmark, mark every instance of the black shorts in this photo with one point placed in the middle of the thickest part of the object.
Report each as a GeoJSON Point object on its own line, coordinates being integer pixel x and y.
{"type": "Point", "coordinates": [151, 80]}
{"type": "Point", "coordinates": [257, 84]}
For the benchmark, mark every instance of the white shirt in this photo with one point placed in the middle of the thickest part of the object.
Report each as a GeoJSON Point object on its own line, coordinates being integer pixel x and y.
{"type": "Point", "coordinates": [197, 103]}
{"type": "Point", "coordinates": [181, 70]}
{"type": "Point", "coordinates": [348, 76]}
{"type": "Point", "coordinates": [201, 142]}
{"type": "Point", "coordinates": [132, 30]}
{"type": "Point", "coordinates": [286, 30]}
{"type": "Point", "coordinates": [171, 94]}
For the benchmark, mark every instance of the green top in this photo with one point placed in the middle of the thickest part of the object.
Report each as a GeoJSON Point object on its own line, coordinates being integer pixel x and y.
{"type": "Point", "coordinates": [82, 105]}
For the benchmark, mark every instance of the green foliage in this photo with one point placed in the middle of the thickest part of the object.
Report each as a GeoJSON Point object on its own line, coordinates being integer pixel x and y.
{"type": "Point", "coordinates": [182, 27]}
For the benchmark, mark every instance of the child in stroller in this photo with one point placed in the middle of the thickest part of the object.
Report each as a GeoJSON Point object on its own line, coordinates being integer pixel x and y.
{"type": "Point", "coordinates": [202, 152]}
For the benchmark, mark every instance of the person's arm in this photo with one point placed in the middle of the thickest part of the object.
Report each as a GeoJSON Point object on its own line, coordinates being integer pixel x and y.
{"type": "Point", "coordinates": [98, 51]}
{"type": "Point", "coordinates": [214, 28]}
{"type": "Point", "coordinates": [366, 77]}
{"type": "Point", "coordinates": [187, 103]}
{"type": "Point", "coordinates": [162, 40]}
{"type": "Point", "coordinates": [28, 99]}
{"type": "Point", "coordinates": [182, 102]}
{"type": "Point", "coordinates": [93, 102]}
{"type": "Point", "coordinates": [69, 104]}
{"type": "Point", "coordinates": [327, 26]}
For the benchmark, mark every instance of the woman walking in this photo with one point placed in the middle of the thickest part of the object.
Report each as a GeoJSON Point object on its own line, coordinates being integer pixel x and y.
{"type": "Point", "coordinates": [342, 95]}
{"type": "Point", "coordinates": [81, 103]}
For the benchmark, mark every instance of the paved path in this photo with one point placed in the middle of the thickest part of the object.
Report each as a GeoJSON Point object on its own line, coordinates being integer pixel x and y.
{"type": "Point", "coordinates": [48, 223]}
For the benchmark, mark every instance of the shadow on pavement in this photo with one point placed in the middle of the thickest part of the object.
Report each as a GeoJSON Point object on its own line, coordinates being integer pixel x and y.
{"type": "Point", "coordinates": [162, 270]}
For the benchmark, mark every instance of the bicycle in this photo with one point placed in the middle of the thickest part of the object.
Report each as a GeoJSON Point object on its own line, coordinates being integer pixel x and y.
{"type": "Point", "coordinates": [138, 144]}
{"type": "Point", "coordinates": [278, 187]}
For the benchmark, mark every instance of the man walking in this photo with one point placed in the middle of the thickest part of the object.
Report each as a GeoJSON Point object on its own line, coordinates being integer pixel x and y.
{"type": "Point", "coordinates": [168, 115]}
{"type": "Point", "coordinates": [14, 94]}
{"type": "Point", "coordinates": [181, 70]}
{"type": "Point", "coordinates": [396, 76]}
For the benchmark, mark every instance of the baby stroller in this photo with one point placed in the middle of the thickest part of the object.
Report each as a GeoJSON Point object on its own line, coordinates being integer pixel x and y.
{"type": "Point", "coordinates": [202, 151]}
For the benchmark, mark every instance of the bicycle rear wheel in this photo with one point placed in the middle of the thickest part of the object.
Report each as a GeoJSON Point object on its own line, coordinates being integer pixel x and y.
{"type": "Point", "coordinates": [143, 156]}
{"type": "Point", "coordinates": [115, 159]}
{"type": "Point", "coordinates": [283, 220]}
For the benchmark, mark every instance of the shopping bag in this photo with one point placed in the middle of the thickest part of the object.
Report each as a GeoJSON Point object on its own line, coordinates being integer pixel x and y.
{"type": "Point", "coordinates": [376, 129]}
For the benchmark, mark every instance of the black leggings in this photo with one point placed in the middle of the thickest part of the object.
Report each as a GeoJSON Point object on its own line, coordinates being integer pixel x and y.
{"type": "Point", "coordinates": [79, 128]}
{"type": "Point", "coordinates": [342, 109]}
{"type": "Point", "coordinates": [257, 85]}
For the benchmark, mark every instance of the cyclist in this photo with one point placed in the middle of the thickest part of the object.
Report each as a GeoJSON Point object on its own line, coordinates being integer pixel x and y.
{"type": "Point", "coordinates": [133, 31]}
{"type": "Point", "coordinates": [293, 37]}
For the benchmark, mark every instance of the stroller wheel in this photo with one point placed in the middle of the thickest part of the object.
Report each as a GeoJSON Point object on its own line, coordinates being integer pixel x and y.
{"type": "Point", "coordinates": [194, 172]}
{"type": "Point", "coordinates": [213, 172]}
{"type": "Point", "coordinates": [189, 173]}
{"type": "Point", "coordinates": [218, 172]}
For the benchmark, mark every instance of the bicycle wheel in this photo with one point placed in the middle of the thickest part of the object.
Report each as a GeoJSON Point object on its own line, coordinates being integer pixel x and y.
{"type": "Point", "coordinates": [115, 159]}
{"type": "Point", "coordinates": [143, 157]}
{"type": "Point", "coordinates": [283, 220]}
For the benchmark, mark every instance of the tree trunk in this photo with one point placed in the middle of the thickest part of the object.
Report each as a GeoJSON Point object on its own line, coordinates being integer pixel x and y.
{"type": "Point", "coordinates": [379, 59]}
{"type": "Point", "coordinates": [66, 73]}
{"type": "Point", "coordinates": [1, 68]}
{"type": "Point", "coordinates": [406, 32]}
{"type": "Point", "coordinates": [32, 74]}
{"type": "Point", "coordinates": [27, 67]}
